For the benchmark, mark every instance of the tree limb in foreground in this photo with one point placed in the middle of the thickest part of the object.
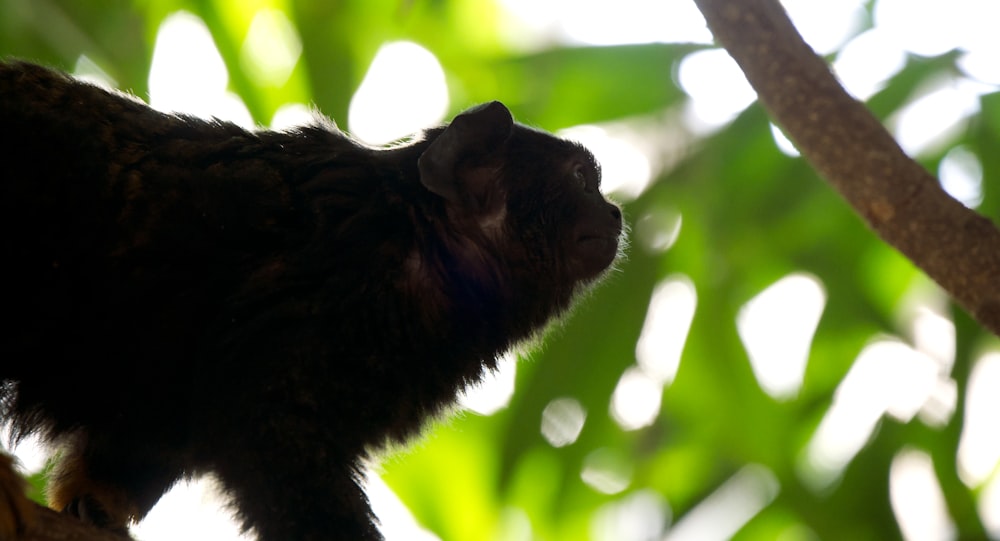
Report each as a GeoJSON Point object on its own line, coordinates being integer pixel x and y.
{"type": "Point", "coordinates": [48, 525]}
{"type": "Point", "coordinates": [902, 202]}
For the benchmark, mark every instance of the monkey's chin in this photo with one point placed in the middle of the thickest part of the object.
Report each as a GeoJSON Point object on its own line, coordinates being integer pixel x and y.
{"type": "Point", "coordinates": [594, 254]}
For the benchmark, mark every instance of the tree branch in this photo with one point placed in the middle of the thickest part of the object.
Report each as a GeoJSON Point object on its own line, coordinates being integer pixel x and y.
{"type": "Point", "coordinates": [48, 525]}
{"type": "Point", "coordinates": [903, 203]}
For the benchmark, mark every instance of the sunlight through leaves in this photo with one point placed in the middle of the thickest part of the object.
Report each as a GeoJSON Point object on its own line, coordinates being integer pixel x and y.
{"type": "Point", "coordinates": [668, 320]}
{"type": "Point", "coordinates": [271, 48]}
{"type": "Point", "coordinates": [887, 377]}
{"type": "Point", "coordinates": [979, 448]}
{"type": "Point", "coordinates": [640, 516]}
{"type": "Point", "coordinates": [720, 515]}
{"type": "Point", "coordinates": [916, 498]}
{"type": "Point", "coordinates": [188, 75]}
{"type": "Point", "coordinates": [961, 175]}
{"type": "Point", "coordinates": [777, 328]}
{"type": "Point", "coordinates": [403, 92]}
{"type": "Point", "coordinates": [562, 421]}
{"type": "Point", "coordinates": [607, 470]}
{"type": "Point", "coordinates": [636, 400]}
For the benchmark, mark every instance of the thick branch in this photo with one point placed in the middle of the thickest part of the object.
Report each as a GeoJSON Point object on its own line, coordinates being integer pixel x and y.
{"type": "Point", "coordinates": [901, 201]}
{"type": "Point", "coordinates": [47, 525]}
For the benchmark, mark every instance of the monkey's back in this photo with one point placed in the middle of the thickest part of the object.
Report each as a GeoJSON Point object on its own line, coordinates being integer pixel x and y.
{"type": "Point", "coordinates": [129, 231]}
{"type": "Point", "coordinates": [168, 272]}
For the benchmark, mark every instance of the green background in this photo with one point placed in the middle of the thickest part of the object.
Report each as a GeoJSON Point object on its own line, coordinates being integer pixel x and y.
{"type": "Point", "coordinates": [750, 215]}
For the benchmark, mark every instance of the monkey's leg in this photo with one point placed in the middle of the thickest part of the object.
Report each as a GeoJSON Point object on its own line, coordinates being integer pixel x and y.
{"type": "Point", "coordinates": [294, 481]}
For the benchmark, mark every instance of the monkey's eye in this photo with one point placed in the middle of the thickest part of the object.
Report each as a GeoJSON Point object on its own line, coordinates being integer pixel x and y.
{"type": "Point", "coordinates": [580, 176]}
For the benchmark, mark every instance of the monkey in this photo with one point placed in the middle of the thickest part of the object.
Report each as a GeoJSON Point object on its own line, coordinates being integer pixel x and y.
{"type": "Point", "coordinates": [186, 296]}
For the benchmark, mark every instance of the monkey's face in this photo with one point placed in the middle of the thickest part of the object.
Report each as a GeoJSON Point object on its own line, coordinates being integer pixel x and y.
{"type": "Point", "coordinates": [596, 224]}
{"type": "Point", "coordinates": [536, 195]}
{"type": "Point", "coordinates": [554, 199]}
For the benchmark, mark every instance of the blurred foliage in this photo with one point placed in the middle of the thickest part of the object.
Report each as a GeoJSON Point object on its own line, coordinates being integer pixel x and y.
{"type": "Point", "coordinates": [751, 215]}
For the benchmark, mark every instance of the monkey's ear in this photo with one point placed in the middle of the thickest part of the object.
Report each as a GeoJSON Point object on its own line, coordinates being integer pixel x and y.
{"type": "Point", "coordinates": [467, 141]}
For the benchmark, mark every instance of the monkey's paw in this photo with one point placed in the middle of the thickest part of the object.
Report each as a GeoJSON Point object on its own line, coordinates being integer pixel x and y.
{"type": "Point", "coordinates": [88, 509]}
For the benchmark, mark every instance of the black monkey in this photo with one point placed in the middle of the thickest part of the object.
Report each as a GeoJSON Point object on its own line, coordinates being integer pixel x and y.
{"type": "Point", "coordinates": [186, 296]}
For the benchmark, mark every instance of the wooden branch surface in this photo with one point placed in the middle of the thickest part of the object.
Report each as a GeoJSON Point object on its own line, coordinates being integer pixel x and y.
{"type": "Point", "coordinates": [900, 201]}
{"type": "Point", "coordinates": [48, 525]}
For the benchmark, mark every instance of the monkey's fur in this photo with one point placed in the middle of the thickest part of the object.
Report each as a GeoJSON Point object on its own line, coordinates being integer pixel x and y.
{"type": "Point", "coordinates": [186, 296]}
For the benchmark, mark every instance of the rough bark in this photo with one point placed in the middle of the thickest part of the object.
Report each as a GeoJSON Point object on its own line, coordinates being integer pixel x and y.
{"type": "Point", "coordinates": [903, 203]}
{"type": "Point", "coordinates": [48, 525]}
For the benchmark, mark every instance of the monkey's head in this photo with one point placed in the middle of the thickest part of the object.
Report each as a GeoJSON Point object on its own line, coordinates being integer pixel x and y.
{"type": "Point", "coordinates": [534, 197]}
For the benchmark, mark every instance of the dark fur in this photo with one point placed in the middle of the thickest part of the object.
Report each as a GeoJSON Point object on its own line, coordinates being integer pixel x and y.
{"type": "Point", "coordinates": [185, 296]}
